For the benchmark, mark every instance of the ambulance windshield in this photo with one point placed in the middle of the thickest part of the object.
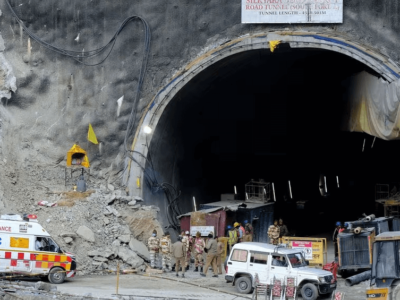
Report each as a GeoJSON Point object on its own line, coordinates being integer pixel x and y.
{"type": "Point", "coordinates": [47, 244]}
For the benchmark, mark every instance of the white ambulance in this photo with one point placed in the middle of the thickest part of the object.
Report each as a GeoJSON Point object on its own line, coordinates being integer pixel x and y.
{"type": "Point", "coordinates": [27, 248]}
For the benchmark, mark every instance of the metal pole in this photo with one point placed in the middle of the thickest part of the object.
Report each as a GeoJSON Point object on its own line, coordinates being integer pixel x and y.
{"type": "Point", "coordinates": [117, 277]}
{"type": "Point", "coordinates": [235, 190]}
{"type": "Point", "coordinates": [290, 190]}
{"type": "Point", "coordinates": [194, 202]}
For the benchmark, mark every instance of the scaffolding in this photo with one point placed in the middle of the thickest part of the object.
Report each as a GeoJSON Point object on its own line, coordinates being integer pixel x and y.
{"type": "Point", "coordinates": [389, 199]}
{"type": "Point", "coordinates": [258, 191]}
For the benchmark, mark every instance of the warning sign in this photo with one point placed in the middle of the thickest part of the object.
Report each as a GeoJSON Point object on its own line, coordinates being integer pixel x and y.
{"type": "Point", "coordinates": [305, 247]}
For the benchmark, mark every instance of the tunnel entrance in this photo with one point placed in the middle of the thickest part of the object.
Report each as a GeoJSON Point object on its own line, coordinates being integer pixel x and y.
{"type": "Point", "coordinates": [271, 116]}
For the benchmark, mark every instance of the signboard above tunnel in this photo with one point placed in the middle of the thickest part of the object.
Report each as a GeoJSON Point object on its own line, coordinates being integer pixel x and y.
{"type": "Point", "coordinates": [292, 11]}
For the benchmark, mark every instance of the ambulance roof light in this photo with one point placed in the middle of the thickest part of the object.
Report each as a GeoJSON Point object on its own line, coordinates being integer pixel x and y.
{"type": "Point", "coordinates": [30, 217]}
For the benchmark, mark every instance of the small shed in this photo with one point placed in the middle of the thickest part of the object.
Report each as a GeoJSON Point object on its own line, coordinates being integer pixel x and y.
{"type": "Point", "coordinates": [76, 156]}
{"type": "Point", "coordinates": [220, 214]}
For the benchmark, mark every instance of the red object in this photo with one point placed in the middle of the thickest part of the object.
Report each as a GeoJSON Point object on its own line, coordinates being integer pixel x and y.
{"type": "Point", "coordinates": [332, 267]}
{"type": "Point", "coordinates": [32, 217]}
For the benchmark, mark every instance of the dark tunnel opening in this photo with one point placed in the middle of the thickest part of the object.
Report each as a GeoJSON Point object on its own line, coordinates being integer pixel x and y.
{"type": "Point", "coordinates": [275, 116]}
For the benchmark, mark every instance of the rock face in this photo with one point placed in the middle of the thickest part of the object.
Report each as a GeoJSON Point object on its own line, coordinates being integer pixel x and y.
{"type": "Point", "coordinates": [86, 233]}
{"type": "Point", "coordinates": [139, 247]}
{"type": "Point", "coordinates": [130, 257]}
{"type": "Point", "coordinates": [143, 222]}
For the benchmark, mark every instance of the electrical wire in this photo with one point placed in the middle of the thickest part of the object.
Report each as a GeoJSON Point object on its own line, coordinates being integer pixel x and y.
{"type": "Point", "coordinates": [79, 56]}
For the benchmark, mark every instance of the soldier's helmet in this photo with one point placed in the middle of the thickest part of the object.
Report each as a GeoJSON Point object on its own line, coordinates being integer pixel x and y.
{"type": "Point", "coordinates": [198, 234]}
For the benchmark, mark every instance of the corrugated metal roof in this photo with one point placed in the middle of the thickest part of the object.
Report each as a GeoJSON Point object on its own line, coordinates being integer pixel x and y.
{"type": "Point", "coordinates": [206, 211]}
{"type": "Point", "coordinates": [234, 204]}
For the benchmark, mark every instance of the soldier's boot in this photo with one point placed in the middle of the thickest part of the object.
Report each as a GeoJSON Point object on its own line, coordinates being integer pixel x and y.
{"type": "Point", "coordinates": [196, 270]}
{"type": "Point", "coordinates": [187, 267]}
{"type": "Point", "coordinates": [201, 269]}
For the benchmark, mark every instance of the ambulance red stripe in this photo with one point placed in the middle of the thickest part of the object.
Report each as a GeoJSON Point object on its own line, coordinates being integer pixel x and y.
{"type": "Point", "coordinates": [21, 256]}
{"type": "Point", "coordinates": [8, 255]}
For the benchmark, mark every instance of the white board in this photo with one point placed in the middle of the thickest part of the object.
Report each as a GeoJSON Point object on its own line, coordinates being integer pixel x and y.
{"type": "Point", "coordinates": [305, 247]}
{"type": "Point", "coordinates": [204, 230]}
{"type": "Point", "coordinates": [292, 11]}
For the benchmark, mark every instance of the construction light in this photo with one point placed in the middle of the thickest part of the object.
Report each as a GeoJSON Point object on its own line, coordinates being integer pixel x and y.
{"type": "Point", "coordinates": [147, 130]}
{"type": "Point", "coordinates": [326, 188]}
{"type": "Point", "coordinates": [337, 180]}
{"type": "Point", "coordinates": [290, 190]}
{"type": "Point", "coordinates": [235, 190]}
{"type": "Point", "coordinates": [194, 203]}
{"type": "Point", "coordinates": [273, 191]}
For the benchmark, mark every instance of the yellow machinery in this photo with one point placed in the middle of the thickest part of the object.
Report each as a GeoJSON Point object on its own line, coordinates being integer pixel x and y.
{"type": "Point", "coordinates": [315, 248]}
{"type": "Point", "coordinates": [385, 271]}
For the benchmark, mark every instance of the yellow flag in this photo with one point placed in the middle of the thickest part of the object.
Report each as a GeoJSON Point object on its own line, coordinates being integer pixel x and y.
{"type": "Point", "coordinates": [91, 136]}
{"type": "Point", "coordinates": [273, 45]}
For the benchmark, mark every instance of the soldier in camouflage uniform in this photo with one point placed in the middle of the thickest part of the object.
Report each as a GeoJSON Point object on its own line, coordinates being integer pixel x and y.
{"type": "Point", "coordinates": [198, 247]}
{"type": "Point", "coordinates": [273, 233]}
{"type": "Point", "coordinates": [165, 244]}
{"type": "Point", "coordinates": [189, 249]}
{"type": "Point", "coordinates": [154, 248]}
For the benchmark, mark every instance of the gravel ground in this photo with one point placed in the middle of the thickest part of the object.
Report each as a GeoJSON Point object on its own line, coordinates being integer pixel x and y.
{"type": "Point", "coordinates": [168, 285]}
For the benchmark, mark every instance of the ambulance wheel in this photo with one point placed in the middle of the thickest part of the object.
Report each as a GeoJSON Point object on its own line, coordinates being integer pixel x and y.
{"type": "Point", "coordinates": [56, 275]}
{"type": "Point", "coordinates": [309, 291]}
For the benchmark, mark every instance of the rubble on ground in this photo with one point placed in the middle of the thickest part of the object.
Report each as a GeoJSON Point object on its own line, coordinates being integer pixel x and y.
{"type": "Point", "coordinates": [102, 230]}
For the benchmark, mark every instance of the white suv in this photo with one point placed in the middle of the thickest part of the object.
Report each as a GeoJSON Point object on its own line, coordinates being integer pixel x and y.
{"type": "Point", "coordinates": [269, 262]}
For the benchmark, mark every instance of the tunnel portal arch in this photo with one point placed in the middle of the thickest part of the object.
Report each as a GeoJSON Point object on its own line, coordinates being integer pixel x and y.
{"type": "Point", "coordinates": [381, 64]}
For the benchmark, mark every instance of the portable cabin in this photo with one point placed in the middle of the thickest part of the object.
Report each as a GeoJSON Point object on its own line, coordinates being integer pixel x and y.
{"type": "Point", "coordinates": [220, 214]}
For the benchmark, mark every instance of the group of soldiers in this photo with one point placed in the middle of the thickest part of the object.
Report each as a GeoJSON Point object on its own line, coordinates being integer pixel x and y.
{"type": "Point", "coordinates": [277, 231]}
{"type": "Point", "coordinates": [182, 251]}
{"type": "Point", "coordinates": [238, 233]}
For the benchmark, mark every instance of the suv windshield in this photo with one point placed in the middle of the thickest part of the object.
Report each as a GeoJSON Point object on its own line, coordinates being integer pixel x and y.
{"type": "Point", "coordinates": [297, 260]}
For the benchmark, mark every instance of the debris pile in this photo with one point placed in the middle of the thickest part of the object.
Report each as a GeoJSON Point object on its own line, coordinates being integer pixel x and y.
{"type": "Point", "coordinates": [103, 229]}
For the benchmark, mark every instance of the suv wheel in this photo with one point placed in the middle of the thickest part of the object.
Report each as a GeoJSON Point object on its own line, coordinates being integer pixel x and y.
{"type": "Point", "coordinates": [243, 285]}
{"type": "Point", "coordinates": [309, 291]}
{"type": "Point", "coordinates": [396, 292]}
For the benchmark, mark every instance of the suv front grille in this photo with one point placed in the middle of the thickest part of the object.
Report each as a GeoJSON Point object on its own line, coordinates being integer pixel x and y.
{"type": "Point", "coordinates": [329, 278]}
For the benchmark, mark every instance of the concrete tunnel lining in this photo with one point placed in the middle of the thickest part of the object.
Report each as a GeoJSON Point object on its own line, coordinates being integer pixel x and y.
{"type": "Point", "coordinates": [155, 110]}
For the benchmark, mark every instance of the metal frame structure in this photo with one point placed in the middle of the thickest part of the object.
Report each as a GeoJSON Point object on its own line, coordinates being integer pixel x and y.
{"type": "Point", "coordinates": [258, 191]}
